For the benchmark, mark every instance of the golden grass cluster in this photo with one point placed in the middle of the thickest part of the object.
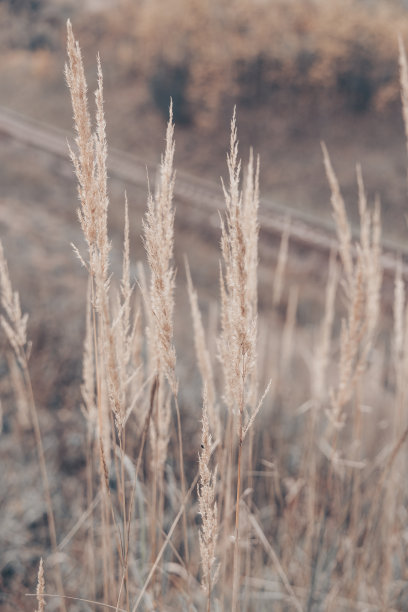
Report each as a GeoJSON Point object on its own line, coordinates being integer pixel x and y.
{"type": "Point", "coordinates": [320, 527]}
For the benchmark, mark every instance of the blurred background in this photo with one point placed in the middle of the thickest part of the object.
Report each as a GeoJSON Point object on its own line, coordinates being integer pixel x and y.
{"type": "Point", "coordinates": [299, 71]}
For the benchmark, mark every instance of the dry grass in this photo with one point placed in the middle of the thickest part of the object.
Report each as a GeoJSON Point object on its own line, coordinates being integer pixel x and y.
{"type": "Point", "coordinates": [302, 503]}
{"type": "Point", "coordinates": [40, 588]}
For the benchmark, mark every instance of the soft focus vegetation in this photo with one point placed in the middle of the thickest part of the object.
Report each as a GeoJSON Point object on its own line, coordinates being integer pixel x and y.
{"type": "Point", "coordinates": [204, 55]}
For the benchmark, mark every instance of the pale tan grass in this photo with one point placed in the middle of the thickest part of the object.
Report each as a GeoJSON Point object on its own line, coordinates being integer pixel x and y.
{"type": "Point", "coordinates": [237, 342]}
{"type": "Point", "coordinates": [399, 308]}
{"type": "Point", "coordinates": [362, 284]}
{"type": "Point", "coordinates": [322, 352]}
{"type": "Point", "coordinates": [158, 227]}
{"type": "Point", "coordinates": [370, 241]}
{"type": "Point", "coordinates": [90, 169]}
{"type": "Point", "coordinates": [20, 392]}
{"type": "Point", "coordinates": [128, 333]}
{"type": "Point", "coordinates": [342, 224]}
{"type": "Point", "coordinates": [90, 166]}
{"type": "Point", "coordinates": [404, 88]}
{"type": "Point", "coordinates": [351, 333]}
{"type": "Point", "coordinates": [40, 588]}
{"type": "Point", "coordinates": [14, 324]}
{"type": "Point", "coordinates": [88, 369]}
{"type": "Point", "coordinates": [203, 358]}
{"type": "Point", "coordinates": [207, 508]}
{"type": "Point", "coordinates": [393, 491]}
{"type": "Point", "coordinates": [362, 287]}
{"type": "Point", "coordinates": [110, 336]}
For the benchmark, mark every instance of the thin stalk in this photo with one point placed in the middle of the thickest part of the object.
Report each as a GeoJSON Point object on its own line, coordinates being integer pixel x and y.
{"type": "Point", "coordinates": [183, 478]}
{"type": "Point", "coordinates": [250, 485]}
{"type": "Point", "coordinates": [235, 585]}
{"type": "Point", "coordinates": [106, 548]}
{"type": "Point", "coordinates": [225, 498]}
{"type": "Point", "coordinates": [89, 493]}
{"type": "Point", "coordinates": [122, 444]}
{"type": "Point", "coordinates": [44, 474]}
{"type": "Point", "coordinates": [139, 458]}
{"type": "Point", "coordinates": [165, 543]}
{"type": "Point", "coordinates": [154, 486]}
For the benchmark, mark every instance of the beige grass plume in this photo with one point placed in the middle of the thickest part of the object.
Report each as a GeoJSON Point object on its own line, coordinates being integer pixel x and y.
{"type": "Point", "coordinates": [203, 358]}
{"type": "Point", "coordinates": [239, 239]}
{"type": "Point", "coordinates": [239, 323]}
{"type": "Point", "coordinates": [158, 229]}
{"type": "Point", "coordinates": [322, 350]}
{"type": "Point", "coordinates": [14, 324]}
{"type": "Point", "coordinates": [341, 220]}
{"type": "Point", "coordinates": [40, 588]}
{"type": "Point", "coordinates": [207, 507]}
{"type": "Point", "coordinates": [362, 285]}
{"type": "Point", "coordinates": [13, 321]}
{"type": "Point", "coordinates": [89, 162]}
{"type": "Point", "coordinates": [90, 169]}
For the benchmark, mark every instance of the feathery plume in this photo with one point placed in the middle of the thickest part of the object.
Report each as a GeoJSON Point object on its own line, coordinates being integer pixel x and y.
{"type": "Point", "coordinates": [90, 167]}
{"type": "Point", "coordinates": [239, 238]}
{"type": "Point", "coordinates": [14, 322]}
{"type": "Point", "coordinates": [203, 357]}
{"type": "Point", "coordinates": [40, 588]}
{"type": "Point", "coordinates": [340, 217]}
{"type": "Point", "coordinates": [362, 288]}
{"type": "Point", "coordinates": [322, 353]}
{"type": "Point", "coordinates": [207, 506]}
{"type": "Point", "coordinates": [239, 323]}
{"type": "Point", "coordinates": [351, 335]}
{"type": "Point", "coordinates": [158, 229]}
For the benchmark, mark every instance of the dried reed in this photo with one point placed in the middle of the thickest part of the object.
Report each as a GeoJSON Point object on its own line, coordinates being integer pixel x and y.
{"type": "Point", "coordinates": [40, 588]}
{"type": "Point", "coordinates": [207, 508]}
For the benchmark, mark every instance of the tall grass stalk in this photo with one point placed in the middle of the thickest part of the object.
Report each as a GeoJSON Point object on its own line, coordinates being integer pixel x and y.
{"type": "Point", "coordinates": [237, 344]}
{"type": "Point", "coordinates": [158, 238]}
{"type": "Point", "coordinates": [208, 508]}
{"type": "Point", "coordinates": [110, 361]}
{"type": "Point", "coordinates": [14, 324]}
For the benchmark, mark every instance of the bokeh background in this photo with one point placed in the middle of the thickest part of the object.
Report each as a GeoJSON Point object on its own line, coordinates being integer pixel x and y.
{"type": "Point", "coordinates": [299, 72]}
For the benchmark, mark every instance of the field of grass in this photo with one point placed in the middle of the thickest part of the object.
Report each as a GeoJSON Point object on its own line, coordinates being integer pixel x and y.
{"type": "Point", "coordinates": [217, 446]}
